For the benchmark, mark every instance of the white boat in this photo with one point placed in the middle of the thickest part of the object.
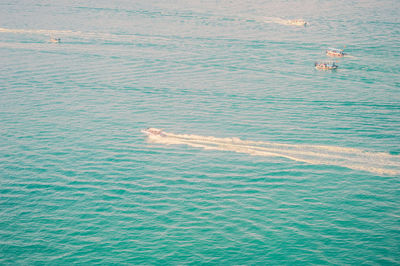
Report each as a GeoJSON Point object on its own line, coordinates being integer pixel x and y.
{"type": "Point", "coordinates": [151, 131]}
{"type": "Point", "coordinates": [335, 52]}
{"type": "Point", "coordinates": [55, 40]}
{"type": "Point", "coordinates": [326, 65]}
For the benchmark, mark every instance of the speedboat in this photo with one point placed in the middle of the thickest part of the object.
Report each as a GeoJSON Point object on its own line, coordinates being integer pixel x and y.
{"type": "Point", "coordinates": [55, 40]}
{"type": "Point", "coordinates": [297, 22]}
{"type": "Point", "coordinates": [151, 131]}
{"type": "Point", "coordinates": [335, 52]}
{"type": "Point", "coordinates": [326, 65]}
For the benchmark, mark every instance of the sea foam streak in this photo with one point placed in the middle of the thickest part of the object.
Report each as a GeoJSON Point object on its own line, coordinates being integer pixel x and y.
{"type": "Point", "coordinates": [375, 162]}
{"type": "Point", "coordinates": [282, 21]}
{"type": "Point", "coordinates": [41, 31]}
{"type": "Point", "coordinates": [70, 33]}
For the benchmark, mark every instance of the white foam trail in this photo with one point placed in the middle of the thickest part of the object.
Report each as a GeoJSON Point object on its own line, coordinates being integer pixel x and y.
{"type": "Point", "coordinates": [42, 31]}
{"type": "Point", "coordinates": [375, 162]}
{"type": "Point", "coordinates": [279, 21]}
{"type": "Point", "coordinates": [71, 33]}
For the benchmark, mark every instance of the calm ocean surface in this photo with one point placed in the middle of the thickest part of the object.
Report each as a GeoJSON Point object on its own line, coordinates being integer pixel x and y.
{"type": "Point", "coordinates": [266, 161]}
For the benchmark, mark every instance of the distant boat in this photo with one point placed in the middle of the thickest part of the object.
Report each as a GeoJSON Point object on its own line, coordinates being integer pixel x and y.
{"type": "Point", "coordinates": [55, 40]}
{"type": "Point", "coordinates": [297, 22]}
{"type": "Point", "coordinates": [326, 65]}
{"type": "Point", "coordinates": [335, 52]}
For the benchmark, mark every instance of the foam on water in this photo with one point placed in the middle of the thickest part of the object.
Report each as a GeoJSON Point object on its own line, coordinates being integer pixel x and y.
{"type": "Point", "coordinates": [281, 21]}
{"type": "Point", "coordinates": [78, 34]}
{"type": "Point", "coordinates": [43, 31]}
{"type": "Point", "coordinates": [375, 162]}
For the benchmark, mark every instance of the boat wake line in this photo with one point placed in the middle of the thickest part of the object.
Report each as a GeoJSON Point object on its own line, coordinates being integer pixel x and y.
{"type": "Point", "coordinates": [75, 34]}
{"type": "Point", "coordinates": [293, 22]}
{"type": "Point", "coordinates": [375, 162]}
{"type": "Point", "coordinates": [42, 31]}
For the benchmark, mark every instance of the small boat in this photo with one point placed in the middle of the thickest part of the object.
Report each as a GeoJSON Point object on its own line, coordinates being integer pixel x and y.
{"type": "Point", "coordinates": [55, 40]}
{"type": "Point", "coordinates": [151, 131]}
{"type": "Point", "coordinates": [326, 65]}
{"type": "Point", "coordinates": [297, 22]}
{"type": "Point", "coordinates": [335, 52]}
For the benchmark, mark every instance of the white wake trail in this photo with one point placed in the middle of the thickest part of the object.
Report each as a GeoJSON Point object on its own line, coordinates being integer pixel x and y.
{"type": "Point", "coordinates": [42, 31]}
{"type": "Point", "coordinates": [376, 162]}
{"type": "Point", "coordinates": [71, 33]}
{"type": "Point", "coordinates": [281, 21]}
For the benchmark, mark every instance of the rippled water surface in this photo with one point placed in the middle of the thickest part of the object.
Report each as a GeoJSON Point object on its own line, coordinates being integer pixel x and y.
{"type": "Point", "coordinates": [264, 160]}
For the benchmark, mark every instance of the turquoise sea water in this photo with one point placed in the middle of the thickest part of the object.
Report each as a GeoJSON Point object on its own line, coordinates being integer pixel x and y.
{"type": "Point", "coordinates": [266, 161]}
